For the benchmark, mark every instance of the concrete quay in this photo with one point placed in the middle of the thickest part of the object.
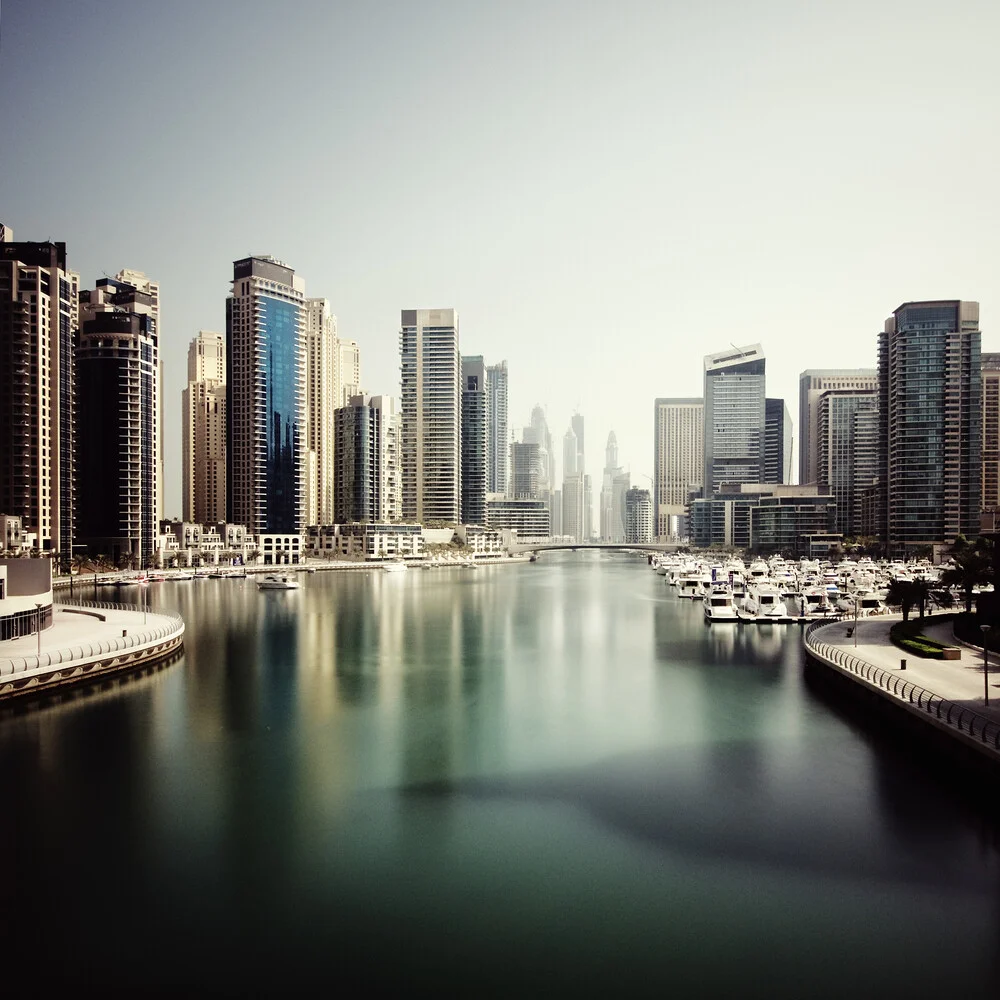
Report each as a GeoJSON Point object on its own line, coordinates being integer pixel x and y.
{"type": "Point", "coordinates": [86, 642]}
{"type": "Point", "coordinates": [947, 696]}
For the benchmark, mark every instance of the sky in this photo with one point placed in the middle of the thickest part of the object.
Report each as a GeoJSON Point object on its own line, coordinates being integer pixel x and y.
{"type": "Point", "coordinates": [606, 192]}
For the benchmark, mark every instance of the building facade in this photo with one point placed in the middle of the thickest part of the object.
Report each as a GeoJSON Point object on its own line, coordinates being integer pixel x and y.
{"type": "Point", "coordinates": [812, 384]}
{"type": "Point", "coordinates": [39, 318]}
{"type": "Point", "coordinates": [734, 418]}
{"type": "Point", "coordinates": [203, 430]}
{"type": "Point", "coordinates": [846, 453]}
{"type": "Point", "coordinates": [990, 490]}
{"type": "Point", "coordinates": [266, 401]}
{"type": "Point", "coordinates": [678, 463]}
{"type": "Point", "coordinates": [638, 517]}
{"type": "Point", "coordinates": [475, 440]}
{"type": "Point", "coordinates": [496, 428]}
{"type": "Point", "coordinates": [777, 442]}
{"type": "Point", "coordinates": [118, 422]}
{"type": "Point", "coordinates": [930, 417]}
{"type": "Point", "coordinates": [526, 470]}
{"type": "Point", "coordinates": [430, 408]}
{"type": "Point", "coordinates": [321, 401]}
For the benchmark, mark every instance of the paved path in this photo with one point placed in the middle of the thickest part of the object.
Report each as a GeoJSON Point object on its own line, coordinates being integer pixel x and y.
{"type": "Point", "coordinates": [960, 681]}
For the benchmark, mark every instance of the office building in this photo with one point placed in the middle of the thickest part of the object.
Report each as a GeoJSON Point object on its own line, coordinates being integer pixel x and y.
{"type": "Point", "coordinates": [990, 499]}
{"type": "Point", "coordinates": [678, 463]}
{"type": "Point", "coordinates": [777, 442]}
{"type": "Point", "coordinates": [526, 470]}
{"type": "Point", "coordinates": [930, 424]}
{"type": "Point", "coordinates": [638, 517]}
{"type": "Point", "coordinates": [734, 417]}
{"type": "Point", "coordinates": [348, 369]}
{"type": "Point", "coordinates": [496, 428]}
{"type": "Point", "coordinates": [322, 399]}
{"type": "Point", "coordinates": [266, 401]}
{"type": "Point", "coordinates": [38, 320]}
{"type": "Point", "coordinates": [475, 453]}
{"type": "Point", "coordinates": [203, 431]}
{"type": "Point", "coordinates": [812, 384]}
{"type": "Point", "coordinates": [846, 452]}
{"type": "Point", "coordinates": [118, 422]}
{"type": "Point", "coordinates": [359, 449]}
{"type": "Point", "coordinates": [573, 510]}
{"type": "Point", "coordinates": [430, 408]}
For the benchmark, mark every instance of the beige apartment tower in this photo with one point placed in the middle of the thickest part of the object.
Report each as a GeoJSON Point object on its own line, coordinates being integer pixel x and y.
{"type": "Point", "coordinates": [322, 400]}
{"type": "Point", "coordinates": [678, 463]}
{"type": "Point", "coordinates": [204, 430]}
{"type": "Point", "coordinates": [430, 412]}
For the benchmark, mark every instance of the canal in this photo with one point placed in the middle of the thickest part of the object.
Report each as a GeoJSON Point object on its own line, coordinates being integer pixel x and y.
{"type": "Point", "coordinates": [537, 778]}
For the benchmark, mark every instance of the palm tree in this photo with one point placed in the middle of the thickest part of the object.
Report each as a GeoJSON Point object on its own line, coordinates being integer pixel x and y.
{"type": "Point", "coordinates": [972, 566]}
{"type": "Point", "coordinates": [907, 593]}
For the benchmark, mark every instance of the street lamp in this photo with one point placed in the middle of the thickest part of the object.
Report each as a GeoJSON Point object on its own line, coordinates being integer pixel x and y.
{"type": "Point", "coordinates": [857, 599]}
{"type": "Point", "coordinates": [986, 666]}
{"type": "Point", "coordinates": [38, 622]}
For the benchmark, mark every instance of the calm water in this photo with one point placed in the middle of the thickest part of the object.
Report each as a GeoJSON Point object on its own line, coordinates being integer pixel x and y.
{"type": "Point", "coordinates": [504, 781]}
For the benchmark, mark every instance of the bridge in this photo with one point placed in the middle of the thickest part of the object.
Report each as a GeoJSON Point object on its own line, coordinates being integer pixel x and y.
{"type": "Point", "coordinates": [520, 547]}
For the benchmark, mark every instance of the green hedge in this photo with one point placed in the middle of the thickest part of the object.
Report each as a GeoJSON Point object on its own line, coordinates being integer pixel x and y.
{"type": "Point", "coordinates": [967, 629]}
{"type": "Point", "coordinates": [907, 636]}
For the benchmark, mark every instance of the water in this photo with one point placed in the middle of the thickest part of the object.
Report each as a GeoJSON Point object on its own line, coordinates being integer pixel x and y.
{"type": "Point", "coordinates": [525, 779]}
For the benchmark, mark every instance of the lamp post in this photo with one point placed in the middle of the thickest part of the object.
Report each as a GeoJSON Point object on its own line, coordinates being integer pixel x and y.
{"type": "Point", "coordinates": [856, 600]}
{"type": "Point", "coordinates": [38, 623]}
{"type": "Point", "coordinates": [986, 666]}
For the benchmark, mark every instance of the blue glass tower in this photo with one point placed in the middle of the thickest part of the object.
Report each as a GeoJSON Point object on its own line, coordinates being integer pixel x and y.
{"type": "Point", "coordinates": [265, 376]}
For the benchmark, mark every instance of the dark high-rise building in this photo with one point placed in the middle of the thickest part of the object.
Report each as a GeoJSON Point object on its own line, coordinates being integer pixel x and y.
{"type": "Point", "coordinates": [358, 460]}
{"type": "Point", "coordinates": [496, 428]}
{"type": "Point", "coordinates": [930, 416]}
{"type": "Point", "coordinates": [266, 398]}
{"type": "Point", "coordinates": [990, 499]}
{"type": "Point", "coordinates": [812, 384]}
{"type": "Point", "coordinates": [734, 417]}
{"type": "Point", "coordinates": [38, 320]}
{"type": "Point", "coordinates": [777, 442]}
{"type": "Point", "coordinates": [526, 470]}
{"type": "Point", "coordinates": [117, 364]}
{"type": "Point", "coordinates": [475, 454]}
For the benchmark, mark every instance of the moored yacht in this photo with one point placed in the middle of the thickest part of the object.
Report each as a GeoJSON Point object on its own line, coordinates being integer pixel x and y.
{"type": "Point", "coordinates": [719, 606]}
{"type": "Point", "coordinates": [277, 581]}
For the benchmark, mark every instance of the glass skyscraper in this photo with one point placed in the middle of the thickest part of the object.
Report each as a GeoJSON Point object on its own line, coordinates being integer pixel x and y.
{"type": "Point", "coordinates": [265, 376]}
{"type": "Point", "coordinates": [930, 416]}
{"type": "Point", "coordinates": [734, 417]}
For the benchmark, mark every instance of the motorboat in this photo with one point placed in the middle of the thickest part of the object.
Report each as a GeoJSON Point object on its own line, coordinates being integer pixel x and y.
{"type": "Point", "coordinates": [719, 606]}
{"type": "Point", "coordinates": [763, 603]}
{"type": "Point", "coordinates": [394, 565]}
{"type": "Point", "coordinates": [816, 603]}
{"type": "Point", "coordinates": [277, 581]}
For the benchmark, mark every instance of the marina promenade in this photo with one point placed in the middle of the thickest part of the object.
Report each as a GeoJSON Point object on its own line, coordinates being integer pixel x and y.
{"type": "Point", "coordinates": [948, 694]}
{"type": "Point", "coordinates": [86, 641]}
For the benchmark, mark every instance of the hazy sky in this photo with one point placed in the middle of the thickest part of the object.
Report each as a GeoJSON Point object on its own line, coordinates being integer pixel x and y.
{"type": "Point", "coordinates": [606, 192]}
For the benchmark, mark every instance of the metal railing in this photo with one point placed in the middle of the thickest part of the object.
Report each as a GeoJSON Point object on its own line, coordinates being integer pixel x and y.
{"type": "Point", "coordinates": [949, 713]}
{"type": "Point", "coordinates": [140, 636]}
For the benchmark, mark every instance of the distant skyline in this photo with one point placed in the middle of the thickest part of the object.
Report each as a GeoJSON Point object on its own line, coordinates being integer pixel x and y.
{"type": "Point", "coordinates": [605, 193]}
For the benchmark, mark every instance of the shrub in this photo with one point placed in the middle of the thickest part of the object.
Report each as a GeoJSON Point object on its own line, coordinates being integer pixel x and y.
{"type": "Point", "coordinates": [907, 636]}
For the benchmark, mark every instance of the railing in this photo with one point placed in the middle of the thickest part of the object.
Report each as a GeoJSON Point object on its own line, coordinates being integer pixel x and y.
{"type": "Point", "coordinates": [949, 713]}
{"type": "Point", "coordinates": [141, 637]}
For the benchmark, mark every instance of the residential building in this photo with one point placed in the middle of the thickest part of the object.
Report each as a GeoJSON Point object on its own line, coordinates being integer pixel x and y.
{"type": "Point", "coordinates": [430, 407]}
{"type": "Point", "coordinates": [638, 517]}
{"type": "Point", "coordinates": [266, 401]}
{"type": "Point", "coordinates": [322, 398]}
{"type": "Point", "coordinates": [678, 463]}
{"type": "Point", "coordinates": [621, 483]}
{"type": "Point", "coordinates": [118, 422]}
{"type": "Point", "coordinates": [990, 499]}
{"type": "Point", "coordinates": [203, 431]}
{"type": "Point", "coordinates": [930, 417]}
{"type": "Point", "coordinates": [526, 470]}
{"type": "Point", "coordinates": [734, 417]}
{"type": "Point", "coordinates": [496, 428]}
{"type": "Point", "coordinates": [39, 317]}
{"type": "Point", "coordinates": [812, 384]}
{"type": "Point", "coordinates": [573, 516]}
{"type": "Point", "coordinates": [526, 518]}
{"type": "Point", "coordinates": [777, 442]}
{"type": "Point", "coordinates": [847, 455]}
{"type": "Point", "coordinates": [390, 502]}
{"type": "Point", "coordinates": [475, 454]}
{"type": "Point", "coordinates": [374, 540]}
{"type": "Point", "coordinates": [348, 369]}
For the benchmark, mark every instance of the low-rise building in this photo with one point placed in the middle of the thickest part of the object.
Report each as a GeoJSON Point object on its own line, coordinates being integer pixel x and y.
{"type": "Point", "coordinates": [527, 517]}
{"type": "Point", "coordinates": [25, 596]}
{"type": "Point", "coordinates": [482, 541]}
{"type": "Point", "coordinates": [280, 549]}
{"type": "Point", "coordinates": [366, 540]}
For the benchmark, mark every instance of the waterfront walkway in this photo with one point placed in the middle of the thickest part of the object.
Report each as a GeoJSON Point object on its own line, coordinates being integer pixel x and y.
{"type": "Point", "coordinates": [86, 641]}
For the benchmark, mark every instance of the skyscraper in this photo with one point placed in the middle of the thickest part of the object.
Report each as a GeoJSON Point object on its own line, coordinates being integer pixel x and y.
{"type": "Point", "coordinates": [990, 499]}
{"type": "Point", "coordinates": [538, 431]}
{"type": "Point", "coordinates": [570, 454]}
{"type": "Point", "coordinates": [38, 319]}
{"type": "Point", "coordinates": [734, 417]}
{"type": "Point", "coordinates": [609, 521]}
{"type": "Point", "coordinates": [576, 422]}
{"type": "Point", "coordinates": [475, 455]}
{"type": "Point", "coordinates": [930, 416]}
{"type": "Point", "coordinates": [847, 460]}
{"type": "Point", "coordinates": [638, 517]}
{"type": "Point", "coordinates": [678, 462]}
{"type": "Point", "coordinates": [430, 410]}
{"type": "Point", "coordinates": [496, 430]}
{"type": "Point", "coordinates": [812, 384]}
{"type": "Point", "coordinates": [118, 407]}
{"type": "Point", "coordinates": [204, 430]}
{"type": "Point", "coordinates": [359, 449]}
{"type": "Point", "coordinates": [525, 470]}
{"type": "Point", "coordinates": [348, 368]}
{"type": "Point", "coordinates": [777, 442]}
{"type": "Point", "coordinates": [321, 401]}
{"type": "Point", "coordinates": [266, 403]}
{"type": "Point", "coordinates": [573, 517]}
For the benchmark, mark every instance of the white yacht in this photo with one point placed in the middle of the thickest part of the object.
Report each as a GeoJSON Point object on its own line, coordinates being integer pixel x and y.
{"type": "Point", "coordinates": [816, 603]}
{"type": "Point", "coordinates": [763, 603]}
{"type": "Point", "coordinates": [719, 606]}
{"type": "Point", "coordinates": [394, 565]}
{"type": "Point", "coordinates": [277, 581]}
